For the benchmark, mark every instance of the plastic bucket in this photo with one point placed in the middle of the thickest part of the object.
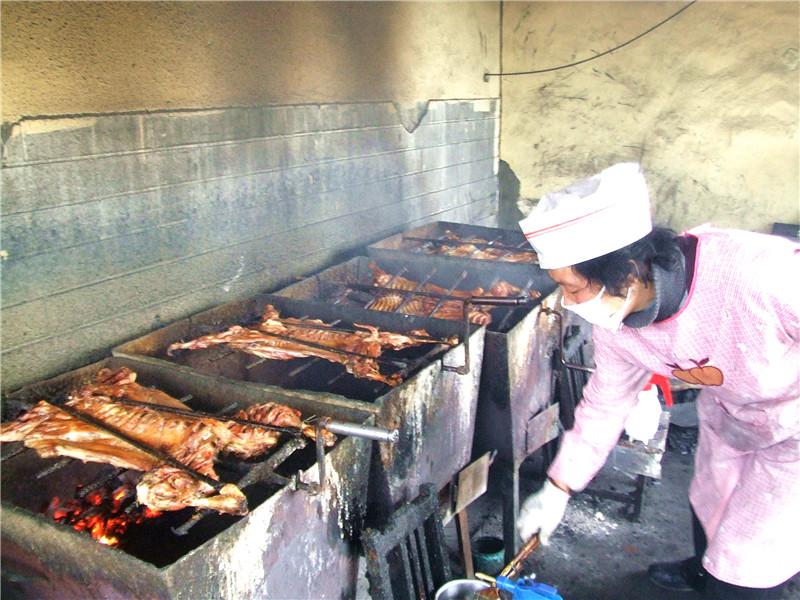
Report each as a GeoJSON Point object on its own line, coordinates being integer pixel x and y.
{"type": "Point", "coordinates": [488, 555]}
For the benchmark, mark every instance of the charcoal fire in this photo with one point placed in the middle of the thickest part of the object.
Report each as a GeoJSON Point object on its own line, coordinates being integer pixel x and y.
{"type": "Point", "coordinates": [106, 514]}
{"type": "Point", "coordinates": [119, 434]}
{"type": "Point", "coordinates": [358, 350]}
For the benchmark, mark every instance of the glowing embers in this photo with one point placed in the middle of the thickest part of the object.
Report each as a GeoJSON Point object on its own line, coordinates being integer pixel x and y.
{"type": "Point", "coordinates": [106, 513]}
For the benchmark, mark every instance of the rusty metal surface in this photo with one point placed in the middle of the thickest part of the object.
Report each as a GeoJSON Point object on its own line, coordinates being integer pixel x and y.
{"type": "Point", "coordinates": [434, 410]}
{"type": "Point", "coordinates": [516, 379]}
{"type": "Point", "coordinates": [292, 544]}
{"type": "Point", "coordinates": [517, 384]}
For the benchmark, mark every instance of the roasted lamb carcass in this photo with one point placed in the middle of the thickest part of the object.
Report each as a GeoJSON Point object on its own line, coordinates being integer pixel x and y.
{"type": "Point", "coordinates": [434, 307]}
{"type": "Point", "coordinates": [286, 338]}
{"type": "Point", "coordinates": [478, 248]}
{"type": "Point", "coordinates": [194, 442]}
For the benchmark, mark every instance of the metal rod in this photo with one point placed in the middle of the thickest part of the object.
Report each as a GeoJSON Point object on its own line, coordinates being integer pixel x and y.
{"type": "Point", "coordinates": [510, 311]}
{"type": "Point", "coordinates": [379, 288]}
{"type": "Point", "coordinates": [419, 286]}
{"type": "Point", "coordinates": [221, 355]}
{"type": "Point", "coordinates": [262, 471]}
{"type": "Point", "coordinates": [389, 283]}
{"type": "Point", "coordinates": [363, 431]}
{"type": "Point", "coordinates": [338, 427]}
{"type": "Point", "coordinates": [153, 452]}
{"type": "Point", "coordinates": [295, 372]}
{"type": "Point", "coordinates": [490, 243]}
{"type": "Point", "coordinates": [337, 377]}
{"type": "Point", "coordinates": [421, 338]}
{"type": "Point", "coordinates": [100, 481]}
{"type": "Point", "coordinates": [441, 242]}
{"type": "Point", "coordinates": [484, 301]}
{"type": "Point", "coordinates": [562, 357]}
{"type": "Point", "coordinates": [456, 283]}
{"type": "Point", "coordinates": [53, 468]}
{"type": "Point", "coordinates": [320, 447]}
{"type": "Point", "coordinates": [15, 452]}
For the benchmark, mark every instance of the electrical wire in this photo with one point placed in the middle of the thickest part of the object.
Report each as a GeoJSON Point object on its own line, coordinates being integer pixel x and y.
{"type": "Point", "coordinates": [579, 62]}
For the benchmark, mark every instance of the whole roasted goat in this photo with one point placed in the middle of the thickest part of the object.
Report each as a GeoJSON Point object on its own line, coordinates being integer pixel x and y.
{"type": "Point", "coordinates": [312, 337]}
{"type": "Point", "coordinates": [438, 308]}
{"type": "Point", "coordinates": [193, 441]}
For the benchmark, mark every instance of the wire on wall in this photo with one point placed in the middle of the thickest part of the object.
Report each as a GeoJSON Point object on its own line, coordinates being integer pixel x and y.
{"type": "Point", "coordinates": [596, 56]}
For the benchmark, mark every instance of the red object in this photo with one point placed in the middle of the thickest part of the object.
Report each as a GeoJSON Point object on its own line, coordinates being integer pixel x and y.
{"type": "Point", "coordinates": [663, 384]}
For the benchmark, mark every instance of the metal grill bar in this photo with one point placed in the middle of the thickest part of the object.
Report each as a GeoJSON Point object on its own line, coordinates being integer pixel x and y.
{"type": "Point", "coordinates": [450, 291]}
{"type": "Point", "coordinates": [525, 292]}
{"type": "Point", "coordinates": [53, 468]}
{"type": "Point", "coordinates": [14, 452]}
{"type": "Point", "coordinates": [261, 471]}
{"type": "Point", "coordinates": [419, 286]}
{"type": "Point", "coordinates": [388, 284]}
{"type": "Point", "coordinates": [371, 288]}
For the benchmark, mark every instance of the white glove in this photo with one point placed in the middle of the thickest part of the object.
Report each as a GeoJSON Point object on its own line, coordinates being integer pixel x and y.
{"type": "Point", "coordinates": [542, 512]}
{"type": "Point", "coordinates": [642, 422]}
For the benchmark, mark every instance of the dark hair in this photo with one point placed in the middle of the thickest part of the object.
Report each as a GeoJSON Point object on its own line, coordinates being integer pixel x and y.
{"type": "Point", "coordinates": [661, 247]}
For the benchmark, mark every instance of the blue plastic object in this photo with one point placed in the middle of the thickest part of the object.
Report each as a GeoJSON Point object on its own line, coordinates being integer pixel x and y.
{"type": "Point", "coordinates": [527, 589]}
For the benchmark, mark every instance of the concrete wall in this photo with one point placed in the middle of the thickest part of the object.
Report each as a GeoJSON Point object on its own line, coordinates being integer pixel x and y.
{"type": "Point", "coordinates": [99, 57]}
{"type": "Point", "coordinates": [159, 159]}
{"type": "Point", "coordinates": [708, 103]}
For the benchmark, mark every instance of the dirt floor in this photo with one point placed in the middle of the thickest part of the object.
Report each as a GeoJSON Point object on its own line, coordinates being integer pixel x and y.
{"type": "Point", "coordinates": [597, 553]}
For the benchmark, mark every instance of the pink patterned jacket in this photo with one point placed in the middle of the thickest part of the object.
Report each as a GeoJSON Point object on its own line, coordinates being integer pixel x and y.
{"type": "Point", "coordinates": [738, 336]}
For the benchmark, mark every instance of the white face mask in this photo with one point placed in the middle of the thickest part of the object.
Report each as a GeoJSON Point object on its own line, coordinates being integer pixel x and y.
{"type": "Point", "coordinates": [600, 313]}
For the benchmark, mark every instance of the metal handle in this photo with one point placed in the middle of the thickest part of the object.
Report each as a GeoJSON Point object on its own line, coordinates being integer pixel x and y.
{"type": "Point", "coordinates": [562, 355]}
{"type": "Point", "coordinates": [363, 431]}
{"type": "Point", "coordinates": [483, 301]}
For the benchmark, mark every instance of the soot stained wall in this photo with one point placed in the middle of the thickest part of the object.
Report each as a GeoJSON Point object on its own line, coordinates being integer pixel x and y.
{"type": "Point", "coordinates": [115, 225]}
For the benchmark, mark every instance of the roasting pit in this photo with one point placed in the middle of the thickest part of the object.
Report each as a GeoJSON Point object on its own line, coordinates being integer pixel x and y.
{"type": "Point", "coordinates": [516, 413]}
{"type": "Point", "coordinates": [433, 408]}
{"type": "Point", "coordinates": [448, 244]}
{"type": "Point", "coordinates": [293, 529]}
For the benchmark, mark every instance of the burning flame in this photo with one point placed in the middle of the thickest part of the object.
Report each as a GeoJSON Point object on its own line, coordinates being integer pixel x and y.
{"type": "Point", "coordinates": [105, 513]}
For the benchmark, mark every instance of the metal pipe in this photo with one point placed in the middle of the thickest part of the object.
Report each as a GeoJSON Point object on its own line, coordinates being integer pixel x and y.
{"type": "Point", "coordinates": [418, 287]}
{"type": "Point", "coordinates": [363, 431]}
{"type": "Point", "coordinates": [320, 447]}
{"type": "Point", "coordinates": [456, 283]}
{"type": "Point", "coordinates": [483, 301]}
{"type": "Point", "coordinates": [562, 357]}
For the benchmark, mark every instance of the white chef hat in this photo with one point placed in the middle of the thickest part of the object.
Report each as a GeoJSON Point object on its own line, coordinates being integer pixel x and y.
{"type": "Point", "coordinates": [590, 217]}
